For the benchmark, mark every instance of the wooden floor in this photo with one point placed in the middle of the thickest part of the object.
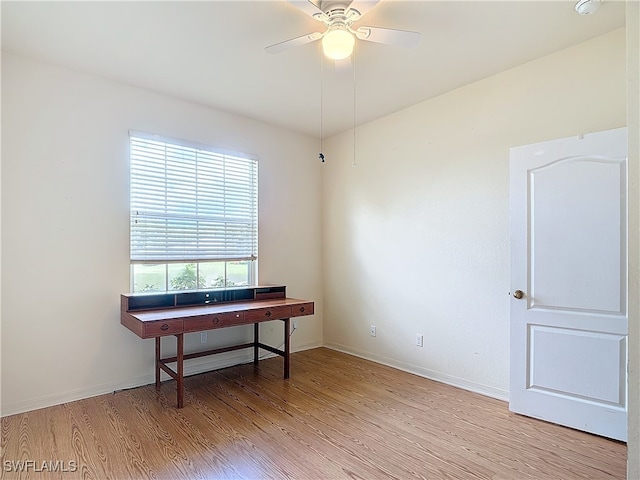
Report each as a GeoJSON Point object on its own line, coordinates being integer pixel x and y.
{"type": "Point", "coordinates": [338, 416]}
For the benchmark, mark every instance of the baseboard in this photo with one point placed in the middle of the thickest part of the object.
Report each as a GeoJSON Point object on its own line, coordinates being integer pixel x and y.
{"type": "Point", "coordinates": [424, 372]}
{"type": "Point", "coordinates": [191, 367]}
{"type": "Point", "coordinates": [73, 395]}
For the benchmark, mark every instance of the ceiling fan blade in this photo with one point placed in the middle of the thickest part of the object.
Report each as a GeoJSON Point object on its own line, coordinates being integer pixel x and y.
{"type": "Point", "coordinates": [293, 42]}
{"type": "Point", "coordinates": [308, 7]}
{"type": "Point", "coordinates": [388, 36]}
{"type": "Point", "coordinates": [362, 6]}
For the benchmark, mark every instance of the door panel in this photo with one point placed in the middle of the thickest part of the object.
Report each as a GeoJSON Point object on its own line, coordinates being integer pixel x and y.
{"type": "Point", "coordinates": [564, 249]}
{"type": "Point", "coordinates": [566, 362]}
{"type": "Point", "coordinates": [568, 209]}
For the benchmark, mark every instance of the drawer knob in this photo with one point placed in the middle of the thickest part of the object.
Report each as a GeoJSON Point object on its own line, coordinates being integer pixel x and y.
{"type": "Point", "coordinates": [301, 309]}
{"type": "Point", "coordinates": [164, 327]}
{"type": "Point", "coordinates": [268, 314]}
{"type": "Point", "coordinates": [216, 320]}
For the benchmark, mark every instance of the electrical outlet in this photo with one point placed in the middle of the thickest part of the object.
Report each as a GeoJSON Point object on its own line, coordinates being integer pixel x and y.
{"type": "Point", "coordinates": [419, 340]}
{"type": "Point", "coordinates": [372, 331]}
{"type": "Point", "coordinates": [203, 337]}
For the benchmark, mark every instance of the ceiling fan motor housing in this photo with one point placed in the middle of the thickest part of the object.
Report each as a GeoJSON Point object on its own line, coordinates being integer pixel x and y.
{"type": "Point", "coordinates": [328, 5]}
{"type": "Point", "coordinates": [337, 13]}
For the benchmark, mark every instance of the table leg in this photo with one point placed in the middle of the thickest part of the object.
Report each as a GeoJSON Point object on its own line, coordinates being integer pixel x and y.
{"type": "Point", "coordinates": [180, 372]}
{"type": "Point", "coordinates": [256, 333]}
{"type": "Point", "coordinates": [157, 362]}
{"type": "Point", "coordinates": [287, 346]}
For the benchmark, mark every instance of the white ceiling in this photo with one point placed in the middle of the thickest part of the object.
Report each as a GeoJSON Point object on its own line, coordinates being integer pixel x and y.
{"type": "Point", "coordinates": [212, 52]}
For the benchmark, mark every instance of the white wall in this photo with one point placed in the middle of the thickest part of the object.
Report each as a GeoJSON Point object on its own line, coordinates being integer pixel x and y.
{"type": "Point", "coordinates": [416, 237]}
{"type": "Point", "coordinates": [65, 243]}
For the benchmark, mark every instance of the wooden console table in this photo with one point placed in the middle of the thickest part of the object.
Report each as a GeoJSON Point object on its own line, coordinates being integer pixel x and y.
{"type": "Point", "coordinates": [159, 315]}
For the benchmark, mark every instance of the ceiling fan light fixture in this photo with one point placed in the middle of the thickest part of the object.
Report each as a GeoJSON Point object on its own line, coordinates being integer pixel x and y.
{"type": "Point", "coordinates": [338, 44]}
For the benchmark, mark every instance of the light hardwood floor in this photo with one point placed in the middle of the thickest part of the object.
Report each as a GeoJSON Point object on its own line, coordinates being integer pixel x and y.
{"type": "Point", "coordinates": [338, 416]}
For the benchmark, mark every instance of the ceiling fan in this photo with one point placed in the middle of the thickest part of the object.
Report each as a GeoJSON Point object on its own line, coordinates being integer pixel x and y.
{"type": "Point", "coordinates": [339, 37]}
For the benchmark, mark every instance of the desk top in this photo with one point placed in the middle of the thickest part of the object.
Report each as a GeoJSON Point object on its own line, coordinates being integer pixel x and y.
{"type": "Point", "coordinates": [220, 308]}
{"type": "Point", "coordinates": [157, 315]}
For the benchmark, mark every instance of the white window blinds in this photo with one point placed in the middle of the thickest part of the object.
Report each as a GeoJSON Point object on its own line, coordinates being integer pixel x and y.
{"type": "Point", "coordinates": [191, 202]}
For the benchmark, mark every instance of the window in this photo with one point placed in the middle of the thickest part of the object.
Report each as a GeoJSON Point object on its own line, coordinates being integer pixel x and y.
{"type": "Point", "coordinates": [194, 215]}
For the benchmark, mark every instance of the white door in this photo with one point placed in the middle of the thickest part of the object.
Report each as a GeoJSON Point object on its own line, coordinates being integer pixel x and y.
{"type": "Point", "coordinates": [568, 220]}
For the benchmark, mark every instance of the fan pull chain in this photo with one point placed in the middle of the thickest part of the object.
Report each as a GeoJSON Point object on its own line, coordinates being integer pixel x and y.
{"type": "Point", "coordinates": [354, 163]}
{"type": "Point", "coordinates": [321, 155]}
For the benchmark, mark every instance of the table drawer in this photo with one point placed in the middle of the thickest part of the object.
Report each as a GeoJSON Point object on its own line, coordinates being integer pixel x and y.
{"type": "Point", "coordinates": [268, 313]}
{"type": "Point", "coordinates": [162, 327]}
{"type": "Point", "coordinates": [303, 309]}
{"type": "Point", "coordinates": [214, 320]}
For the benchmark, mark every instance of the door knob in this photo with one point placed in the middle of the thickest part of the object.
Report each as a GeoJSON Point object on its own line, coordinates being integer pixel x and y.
{"type": "Point", "coordinates": [518, 294]}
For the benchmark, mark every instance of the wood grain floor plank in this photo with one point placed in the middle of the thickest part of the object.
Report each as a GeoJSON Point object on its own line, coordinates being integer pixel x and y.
{"type": "Point", "coordinates": [290, 421]}
{"type": "Point", "coordinates": [370, 442]}
{"type": "Point", "coordinates": [455, 407]}
{"type": "Point", "coordinates": [337, 417]}
{"type": "Point", "coordinates": [91, 440]}
{"type": "Point", "coordinates": [217, 444]}
{"type": "Point", "coordinates": [251, 422]}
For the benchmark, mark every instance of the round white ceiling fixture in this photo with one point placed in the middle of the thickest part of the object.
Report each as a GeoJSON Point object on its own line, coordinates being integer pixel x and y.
{"type": "Point", "coordinates": [587, 7]}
